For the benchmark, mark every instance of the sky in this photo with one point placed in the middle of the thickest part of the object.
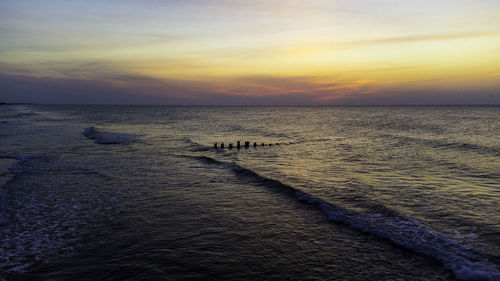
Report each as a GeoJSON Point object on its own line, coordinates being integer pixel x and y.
{"type": "Point", "coordinates": [284, 52]}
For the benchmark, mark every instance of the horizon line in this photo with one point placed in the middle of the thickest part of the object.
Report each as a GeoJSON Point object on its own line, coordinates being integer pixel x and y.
{"type": "Point", "coordinates": [241, 105]}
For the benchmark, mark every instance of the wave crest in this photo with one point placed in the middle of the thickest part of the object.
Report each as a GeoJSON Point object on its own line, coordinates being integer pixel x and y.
{"type": "Point", "coordinates": [26, 163]}
{"type": "Point", "coordinates": [107, 137]}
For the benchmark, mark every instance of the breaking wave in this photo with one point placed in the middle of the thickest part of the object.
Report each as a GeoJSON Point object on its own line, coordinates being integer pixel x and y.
{"type": "Point", "coordinates": [26, 163]}
{"type": "Point", "coordinates": [403, 230]}
{"type": "Point", "coordinates": [107, 137]}
{"type": "Point", "coordinates": [26, 114]}
{"type": "Point", "coordinates": [194, 146]}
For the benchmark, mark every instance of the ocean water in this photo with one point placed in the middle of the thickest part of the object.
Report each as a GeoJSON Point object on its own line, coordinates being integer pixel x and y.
{"type": "Point", "coordinates": [343, 193]}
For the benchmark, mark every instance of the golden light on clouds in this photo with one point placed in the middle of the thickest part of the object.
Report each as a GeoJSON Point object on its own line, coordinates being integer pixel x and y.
{"type": "Point", "coordinates": [229, 48]}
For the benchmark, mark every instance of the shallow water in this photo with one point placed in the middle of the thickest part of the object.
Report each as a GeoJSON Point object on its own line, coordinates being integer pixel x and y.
{"type": "Point", "coordinates": [351, 193]}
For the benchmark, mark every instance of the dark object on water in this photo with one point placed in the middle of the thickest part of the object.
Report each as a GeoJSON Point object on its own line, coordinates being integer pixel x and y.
{"type": "Point", "coordinates": [277, 143]}
{"type": "Point", "coordinates": [263, 144]}
{"type": "Point", "coordinates": [230, 146]}
{"type": "Point", "coordinates": [254, 144]}
{"type": "Point", "coordinates": [270, 144]}
{"type": "Point", "coordinates": [238, 145]}
{"type": "Point", "coordinates": [215, 145]}
{"type": "Point", "coordinates": [222, 145]}
{"type": "Point", "coordinates": [247, 144]}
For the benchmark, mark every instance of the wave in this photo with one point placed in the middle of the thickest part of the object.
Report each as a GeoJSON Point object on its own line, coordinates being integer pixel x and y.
{"type": "Point", "coordinates": [107, 137]}
{"type": "Point", "coordinates": [26, 163]}
{"type": "Point", "coordinates": [309, 141]}
{"type": "Point", "coordinates": [444, 144]}
{"type": "Point", "coordinates": [402, 230]}
{"type": "Point", "coordinates": [194, 146]}
{"type": "Point", "coordinates": [26, 114]}
{"type": "Point", "coordinates": [19, 115]}
{"type": "Point", "coordinates": [31, 163]}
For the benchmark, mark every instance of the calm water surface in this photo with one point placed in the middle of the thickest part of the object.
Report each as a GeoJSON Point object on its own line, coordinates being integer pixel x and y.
{"type": "Point", "coordinates": [343, 193]}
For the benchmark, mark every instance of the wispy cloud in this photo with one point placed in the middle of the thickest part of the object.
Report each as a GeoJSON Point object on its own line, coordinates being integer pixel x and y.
{"type": "Point", "coordinates": [416, 38]}
{"type": "Point", "coordinates": [287, 89]}
{"type": "Point", "coordinates": [299, 49]}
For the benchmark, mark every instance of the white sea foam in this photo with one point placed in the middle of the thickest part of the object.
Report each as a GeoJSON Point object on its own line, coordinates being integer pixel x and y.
{"type": "Point", "coordinates": [28, 226]}
{"type": "Point", "coordinates": [405, 231]}
{"type": "Point", "coordinates": [44, 209]}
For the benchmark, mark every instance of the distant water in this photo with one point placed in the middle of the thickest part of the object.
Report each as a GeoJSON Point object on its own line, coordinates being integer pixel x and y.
{"type": "Point", "coordinates": [343, 193]}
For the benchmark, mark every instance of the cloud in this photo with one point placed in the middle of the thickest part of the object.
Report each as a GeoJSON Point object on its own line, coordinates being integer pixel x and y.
{"type": "Point", "coordinates": [423, 96]}
{"type": "Point", "coordinates": [101, 82]}
{"type": "Point", "coordinates": [145, 90]}
{"type": "Point", "coordinates": [7, 68]}
{"type": "Point", "coordinates": [14, 88]}
{"type": "Point", "coordinates": [298, 49]}
{"type": "Point", "coordinates": [417, 38]}
{"type": "Point", "coordinates": [74, 78]}
{"type": "Point", "coordinates": [289, 89]}
{"type": "Point", "coordinates": [135, 89]}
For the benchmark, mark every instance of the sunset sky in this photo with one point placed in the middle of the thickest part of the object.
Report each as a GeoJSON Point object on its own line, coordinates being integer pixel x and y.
{"type": "Point", "coordinates": [250, 52]}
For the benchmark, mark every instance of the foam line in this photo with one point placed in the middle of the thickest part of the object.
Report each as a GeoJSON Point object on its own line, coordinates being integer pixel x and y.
{"type": "Point", "coordinates": [403, 230]}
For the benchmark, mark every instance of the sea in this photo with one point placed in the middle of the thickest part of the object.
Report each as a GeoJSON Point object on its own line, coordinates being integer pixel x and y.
{"type": "Point", "coordinates": [320, 193]}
